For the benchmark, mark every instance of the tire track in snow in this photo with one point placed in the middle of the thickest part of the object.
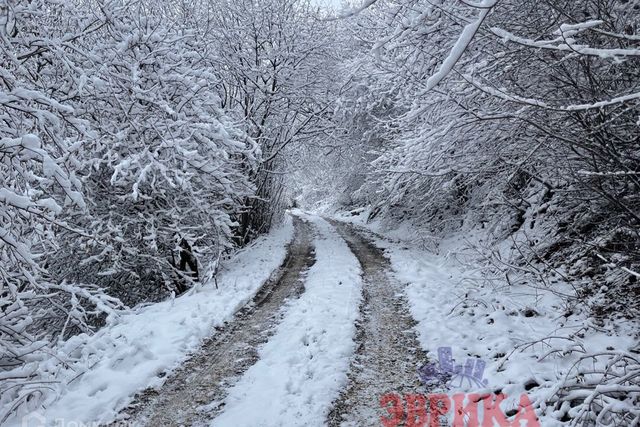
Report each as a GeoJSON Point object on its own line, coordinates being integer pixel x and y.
{"type": "Point", "coordinates": [304, 365]}
{"type": "Point", "coordinates": [185, 397]}
{"type": "Point", "coordinates": [388, 355]}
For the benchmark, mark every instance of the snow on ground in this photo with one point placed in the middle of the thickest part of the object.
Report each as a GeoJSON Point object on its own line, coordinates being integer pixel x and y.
{"type": "Point", "coordinates": [304, 365]}
{"type": "Point", "coordinates": [128, 355]}
{"type": "Point", "coordinates": [496, 321]}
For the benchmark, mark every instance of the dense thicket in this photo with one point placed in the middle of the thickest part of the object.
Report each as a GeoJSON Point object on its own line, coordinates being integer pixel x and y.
{"type": "Point", "coordinates": [519, 119]}
{"type": "Point", "coordinates": [134, 133]}
{"type": "Point", "coordinates": [275, 65]}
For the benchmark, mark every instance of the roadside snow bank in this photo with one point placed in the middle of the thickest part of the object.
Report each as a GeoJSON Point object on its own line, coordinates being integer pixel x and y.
{"type": "Point", "coordinates": [304, 365]}
{"type": "Point", "coordinates": [129, 355]}
{"type": "Point", "coordinates": [529, 342]}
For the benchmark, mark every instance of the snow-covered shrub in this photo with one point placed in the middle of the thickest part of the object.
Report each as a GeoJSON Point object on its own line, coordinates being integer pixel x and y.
{"type": "Point", "coordinates": [524, 134]}
{"type": "Point", "coordinates": [600, 389]}
{"type": "Point", "coordinates": [165, 163]}
{"type": "Point", "coordinates": [113, 149]}
{"type": "Point", "coordinates": [39, 129]}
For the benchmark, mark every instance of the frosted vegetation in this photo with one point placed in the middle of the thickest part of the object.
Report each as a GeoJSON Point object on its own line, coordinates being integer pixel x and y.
{"type": "Point", "coordinates": [133, 133]}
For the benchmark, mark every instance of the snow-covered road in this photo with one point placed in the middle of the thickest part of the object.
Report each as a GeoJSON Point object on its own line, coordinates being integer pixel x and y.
{"type": "Point", "coordinates": [189, 396]}
{"type": "Point", "coordinates": [303, 367]}
{"type": "Point", "coordinates": [321, 341]}
{"type": "Point", "coordinates": [388, 355]}
{"type": "Point", "coordinates": [322, 329]}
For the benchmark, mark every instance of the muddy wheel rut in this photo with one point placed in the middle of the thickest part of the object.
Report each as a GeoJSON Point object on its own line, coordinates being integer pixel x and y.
{"type": "Point", "coordinates": [194, 394]}
{"type": "Point", "coordinates": [388, 354]}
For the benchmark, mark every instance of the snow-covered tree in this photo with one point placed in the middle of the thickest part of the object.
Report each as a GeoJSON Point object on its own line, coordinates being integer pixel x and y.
{"type": "Point", "coordinates": [273, 58]}
{"type": "Point", "coordinates": [166, 163]}
{"type": "Point", "coordinates": [115, 157]}
{"type": "Point", "coordinates": [40, 132]}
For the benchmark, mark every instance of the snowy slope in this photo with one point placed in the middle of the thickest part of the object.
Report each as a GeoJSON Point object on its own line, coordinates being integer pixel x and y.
{"type": "Point", "coordinates": [496, 324]}
{"type": "Point", "coordinates": [127, 356]}
{"type": "Point", "coordinates": [304, 365]}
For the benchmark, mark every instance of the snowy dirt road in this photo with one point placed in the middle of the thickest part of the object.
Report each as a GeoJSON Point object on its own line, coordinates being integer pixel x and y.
{"type": "Point", "coordinates": [373, 353]}
{"type": "Point", "coordinates": [185, 397]}
{"type": "Point", "coordinates": [388, 355]}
